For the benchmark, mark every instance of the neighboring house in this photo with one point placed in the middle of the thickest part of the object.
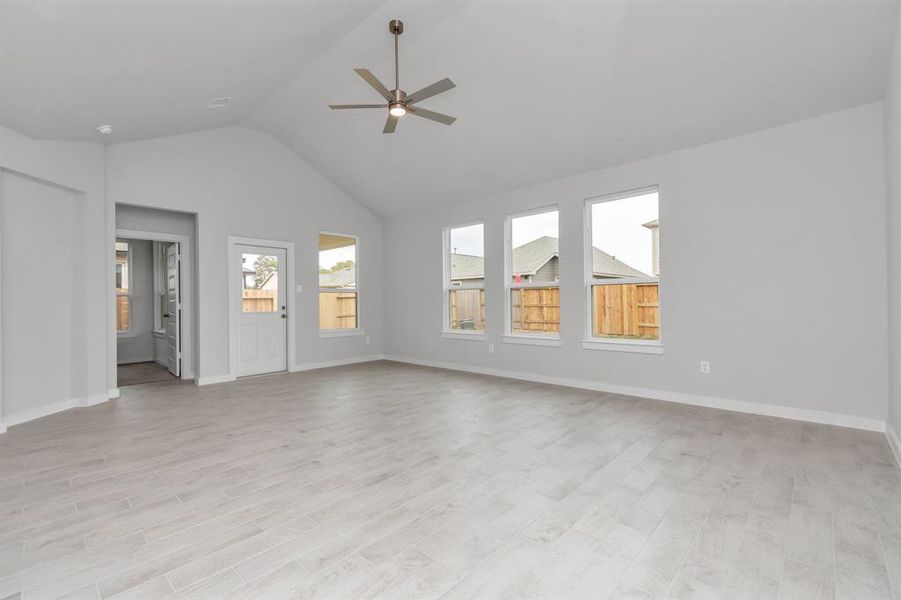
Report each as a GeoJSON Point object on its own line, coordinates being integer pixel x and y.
{"type": "Point", "coordinates": [655, 245]}
{"type": "Point", "coordinates": [249, 274]}
{"type": "Point", "coordinates": [343, 278]}
{"type": "Point", "coordinates": [538, 260]}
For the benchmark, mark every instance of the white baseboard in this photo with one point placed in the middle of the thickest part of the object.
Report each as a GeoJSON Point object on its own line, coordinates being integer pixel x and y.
{"type": "Point", "coordinates": [53, 408]}
{"type": "Point", "coordinates": [336, 363]}
{"type": "Point", "coordinates": [755, 408]}
{"type": "Point", "coordinates": [298, 368]}
{"type": "Point", "coordinates": [113, 393]}
{"type": "Point", "coordinates": [215, 379]}
{"type": "Point", "coordinates": [134, 361]}
{"type": "Point", "coordinates": [2, 427]}
{"type": "Point", "coordinates": [894, 443]}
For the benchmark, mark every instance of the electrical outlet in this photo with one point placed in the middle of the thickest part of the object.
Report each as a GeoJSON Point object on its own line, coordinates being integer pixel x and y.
{"type": "Point", "coordinates": [368, 339]}
{"type": "Point", "coordinates": [705, 367]}
{"type": "Point", "coordinates": [491, 348]}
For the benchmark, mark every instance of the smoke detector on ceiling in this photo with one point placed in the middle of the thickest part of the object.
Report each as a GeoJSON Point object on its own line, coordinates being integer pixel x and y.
{"type": "Point", "coordinates": [220, 102]}
{"type": "Point", "coordinates": [105, 129]}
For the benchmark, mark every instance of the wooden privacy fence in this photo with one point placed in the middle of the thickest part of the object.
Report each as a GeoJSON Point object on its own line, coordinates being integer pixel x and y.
{"type": "Point", "coordinates": [123, 313]}
{"type": "Point", "coordinates": [259, 301]}
{"type": "Point", "coordinates": [535, 310]}
{"type": "Point", "coordinates": [337, 310]}
{"type": "Point", "coordinates": [626, 310]}
{"type": "Point", "coordinates": [467, 309]}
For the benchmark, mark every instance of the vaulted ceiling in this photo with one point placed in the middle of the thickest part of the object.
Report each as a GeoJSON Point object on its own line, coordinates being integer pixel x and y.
{"type": "Point", "coordinates": [544, 89]}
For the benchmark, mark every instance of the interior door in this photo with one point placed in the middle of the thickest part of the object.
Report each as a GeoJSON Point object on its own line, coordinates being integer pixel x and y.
{"type": "Point", "coordinates": [173, 309]}
{"type": "Point", "coordinates": [263, 319]}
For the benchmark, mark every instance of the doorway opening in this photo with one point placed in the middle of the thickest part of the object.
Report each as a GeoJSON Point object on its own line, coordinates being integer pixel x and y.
{"type": "Point", "coordinates": [149, 280]}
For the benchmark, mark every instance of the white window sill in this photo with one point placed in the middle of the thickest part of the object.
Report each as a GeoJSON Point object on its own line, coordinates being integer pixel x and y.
{"type": "Point", "coordinates": [475, 336]}
{"type": "Point", "coordinates": [636, 346]}
{"type": "Point", "coordinates": [159, 333]}
{"type": "Point", "coordinates": [126, 334]}
{"type": "Point", "coordinates": [533, 340]}
{"type": "Point", "coordinates": [337, 333]}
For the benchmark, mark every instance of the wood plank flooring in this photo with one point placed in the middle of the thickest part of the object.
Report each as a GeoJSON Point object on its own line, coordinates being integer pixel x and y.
{"type": "Point", "coordinates": [384, 480]}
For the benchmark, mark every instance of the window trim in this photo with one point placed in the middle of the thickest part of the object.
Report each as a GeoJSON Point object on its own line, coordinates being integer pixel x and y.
{"type": "Point", "coordinates": [348, 331]}
{"type": "Point", "coordinates": [509, 285]}
{"type": "Point", "coordinates": [128, 261]}
{"type": "Point", "coordinates": [590, 341]}
{"type": "Point", "coordinates": [446, 330]}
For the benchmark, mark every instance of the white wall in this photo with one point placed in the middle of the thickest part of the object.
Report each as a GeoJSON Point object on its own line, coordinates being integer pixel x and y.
{"type": "Point", "coordinates": [245, 183]}
{"type": "Point", "coordinates": [43, 294]}
{"type": "Point", "coordinates": [137, 346]}
{"type": "Point", "coordinates": [773, 257]}
{"type": "Point", "coordinates": [893, 220]}
{"type": "Point", "coordinates": [62, 184]}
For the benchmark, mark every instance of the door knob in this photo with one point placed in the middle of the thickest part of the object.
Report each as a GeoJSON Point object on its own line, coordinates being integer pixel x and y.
{"type": "Point", "coordinates": [165, 315]}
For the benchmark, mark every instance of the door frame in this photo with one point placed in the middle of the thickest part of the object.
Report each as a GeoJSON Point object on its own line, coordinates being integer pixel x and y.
{"type": "Point", "coordinates": [186, 281]}
{"type": "Point", "coordinates": [234, 339]}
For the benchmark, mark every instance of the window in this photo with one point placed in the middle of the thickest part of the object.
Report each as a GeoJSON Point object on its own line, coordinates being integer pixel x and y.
{"type": "Point", "coordinates": [339, 298]}
{"type": "Point", "coordinates": [464, 280]}
{"type": "Point", "coordinates": [123, 287]}
{"type": "Point", "coordinates": [532, 279]}
{"type": "Point", "coordinates": [623, 267]}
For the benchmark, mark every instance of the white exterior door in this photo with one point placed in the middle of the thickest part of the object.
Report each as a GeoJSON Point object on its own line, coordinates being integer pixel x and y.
{"type": "Point", "coordinates": [263, 317]}
{"type": "Point", "coordinates": [173, 310]}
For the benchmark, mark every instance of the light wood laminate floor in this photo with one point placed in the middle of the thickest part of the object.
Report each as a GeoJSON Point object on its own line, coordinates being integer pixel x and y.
{"type": "Point", "coordinates": [384, 480]}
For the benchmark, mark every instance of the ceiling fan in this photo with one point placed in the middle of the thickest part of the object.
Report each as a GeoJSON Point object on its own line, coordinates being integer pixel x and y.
{"type": "Point", "coordinates": [399, 103]}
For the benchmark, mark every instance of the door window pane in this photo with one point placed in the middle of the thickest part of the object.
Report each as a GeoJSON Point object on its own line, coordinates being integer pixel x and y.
{"type": "Point", "coordinates": [260, 276]}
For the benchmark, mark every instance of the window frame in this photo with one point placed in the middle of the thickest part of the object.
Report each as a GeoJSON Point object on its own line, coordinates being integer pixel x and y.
{"type": "Point", "coordinates": [128, 294]}
{"type": "Point", "coordinates": [446, 330]}
{"type": "Point", "coordinates": [524, 338]}
{"type": "Point", "coordinates": [590, 341]}
{"type": "Point", "coordinates": [347, 332]}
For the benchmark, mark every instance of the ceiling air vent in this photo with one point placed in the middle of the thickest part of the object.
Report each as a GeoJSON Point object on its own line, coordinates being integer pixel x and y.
{"type": "Point", "coordinates": [220, 102]}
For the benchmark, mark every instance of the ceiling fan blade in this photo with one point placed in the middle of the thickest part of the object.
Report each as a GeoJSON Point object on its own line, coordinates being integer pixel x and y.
{"type": "Point", "coordinates": [343, 106]}
{"type": "Point", "coordinates": [390, 124]}
{"type": "Point", "coordinates": [432, 115]}
{"type": "Point", "coordinates": [375, 83]}
{"type": "Point", "coordinates": [431, 90]}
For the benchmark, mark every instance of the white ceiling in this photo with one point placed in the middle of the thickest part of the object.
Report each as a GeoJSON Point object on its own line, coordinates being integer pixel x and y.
{"type": "Point", "coordinates": [150, 68]}
{"type": "Point", "coordinates": [545, 89]}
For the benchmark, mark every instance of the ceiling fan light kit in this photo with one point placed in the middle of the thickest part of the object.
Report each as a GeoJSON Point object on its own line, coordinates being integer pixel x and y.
{"type": "Point", "coordinates": [399, 103]}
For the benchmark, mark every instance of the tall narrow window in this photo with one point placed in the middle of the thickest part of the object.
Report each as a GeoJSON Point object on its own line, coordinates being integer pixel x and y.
{"type": "Point", "coordinates": [533, 281]}
{"type": "Point", "coordinates": [464, 279]}
{"type": "Point", "coordinates": [624, 262]}
{"type": "Point", "coordinates": [338, 288]}
{"type": "Point", "coordinates": [123, 287]}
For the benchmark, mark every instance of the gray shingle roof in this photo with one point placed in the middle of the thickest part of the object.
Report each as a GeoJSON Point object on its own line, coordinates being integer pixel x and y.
{"type": "Point", "coordinates": [466, 266]}
{"type": "Point", "coordinates": [339, 279]}
{"type": "Point", "coordinates": [530, 257]}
